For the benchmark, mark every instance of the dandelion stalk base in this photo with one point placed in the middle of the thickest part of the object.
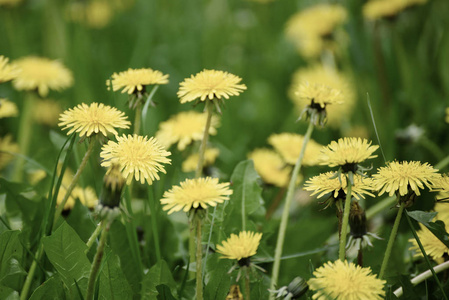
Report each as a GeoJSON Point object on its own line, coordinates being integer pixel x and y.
{"type": "Point", "coordinates": [344, 225]}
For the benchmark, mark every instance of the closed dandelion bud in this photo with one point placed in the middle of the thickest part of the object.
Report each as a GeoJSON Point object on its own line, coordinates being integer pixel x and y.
{"type": "Point", "coordinates": [113, 183]}
{"type": "Point", "coordinates": [297, 287]}
{"type": "Point", "coordinates": [357, 220]}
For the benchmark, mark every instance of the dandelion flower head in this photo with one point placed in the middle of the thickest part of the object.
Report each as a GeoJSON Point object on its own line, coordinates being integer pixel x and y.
{"type": "Point", "coordinates": [271, 167]}
{"type": "Point", "coordinates": [347, 151]}
{"type": "Point", "coordinates": [344, 281]}
{"type": "Point", "coordinates": [47, 111]}
{"type": "Point", "coordinates": [7, 145]}
{"type": "Point", "coordinates": [191, 162]}
{"type": "Point", "coordinates": [318, 82]}
{"type": "Point", "coordinates": [86, 196]}
{"type": "Point", "coordinates": [94, 118]}
{"type": "Point", "coordinates": [8, 109]}
{"type": "Point", "coordinates": [7, 71]}
{"type": "Point", "coordinates": [210, 84]}
{"type": "Point", "coordinates": [377, 9]}
{"type": "Point", "coordinates": [329, 183]}
{"type": "Point", "coordinates": [240, 246]}
{"type": "Point", "coordinates": [289, 145]}
{"type": "Point", "coordinates": [441, 185]}
{"type": "Point", "coordinates": [135, 80]}
{"type": "Point", "coordinates": [195, 193]}
{"type": "Point", "coordinates": [402, 176]}
{"type": "Point", "coordinates": [42, 74]}
{"type": "Point", "coordinates": [137, 156]}
{"type": "Point", "coordinates": [184, 128]}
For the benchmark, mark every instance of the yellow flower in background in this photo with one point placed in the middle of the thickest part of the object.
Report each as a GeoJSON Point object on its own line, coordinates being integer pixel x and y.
{"type": "Point", "coordinates": [137, 156]}
{"type": "Point", "coordinates": [195, 193]}
{"type": "Point", "coordinates": [333, 81]}
{"type": "Point", "coordinates": [240, 246]}
{"type": "Point", "coordinates": [35, 176]}
{"type": "Point", "coordinates": [135, 80]}
{"type": "Point", "coordinates": [327, 183]}
{"type": "Point", "coordinates": [308, 34]}
{"type": "Point", "coordinates": [10, 2]}
{"type": "Point", "coordinates": [271, 167]}
{"type": "Point", "coordinates": [403, 176]}
{"type": "Point", "coordinates": [98, 14]}
{"type": "Point", "coordinates": [86, 196]}
{"type": "Point", "coordinates": [191, 162]}
{"type": "Point", "coordinates": [376, 9]}
{"type": "Point", "coordinates": [289, 145]}
{"type": "Point", "coordinates": [92, 119]}
{"type": "Point", "coordinates": [7, 71]}
{"type": "Point", "coordinates": [42, 74]}
{"type": "Point", "coordinates": [447, 115]}
{"type": "Point", "coordinates": [46, 112]}
{"type": "Point", "coordinates": [7, 145]}
{"type": "Point", "coordinates": [210, 84]}
{"type": "Point", "coordinates": [8, 109]}
{"type": "Point", "coordinates": [441, 185]}
{"type": "Point", "coordinates": [318, 94]}
{"type": "Point", "coordinates": [185, 128]}
{"type": "Point", "coordinates": [347, 151]}
{"type": "Point", "coordinates": [343, 281]}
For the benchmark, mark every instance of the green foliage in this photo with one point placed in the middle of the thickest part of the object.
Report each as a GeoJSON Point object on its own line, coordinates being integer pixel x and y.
{"type": "Point", "coordinates": [51, 289]}
{"type": "Point", "coordinates": [158, 283]}
{"type": "Point", "coordinates": [11, 256]}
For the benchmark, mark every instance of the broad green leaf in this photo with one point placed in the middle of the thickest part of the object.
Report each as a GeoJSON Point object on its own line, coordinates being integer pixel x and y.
{"type": "Point", "coordinates": [218, 281]}
{"type": "Point", "coordinates": [80, 219]}
{"type": "Point", "coordinates": [11, 252]}
{"type": "Point", "coordinates": [422, 216]}
{"type": "Point", "coordinates": [437, 228]}
{"type": "Point", "coordinates": [113, 284]}
{"type": "Point", "coordinates": [52, 289]}
{"type": "Point", "coordinates": [164, 293]}
{"type": "Point", "coordinates": [158, 274]}
{"type": "Point", "coordinates": [7, 293]}
{"type": "Point", "coordinates": [65, 250]}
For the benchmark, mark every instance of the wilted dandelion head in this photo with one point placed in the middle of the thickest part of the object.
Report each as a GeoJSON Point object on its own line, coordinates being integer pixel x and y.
{"type": "Point", "coordinates": [92, 119]}
{"type": "Point", "coordinates": [8, 109]}
{"type": "Point", "coordinates": [289, 145]}
{"type": "Point", "coordinates": [329, 182]}
{"type": "Point", "coordinates": [195, 193]}
{"type": "Point", "coordinates": [210, 84]}
{"type": "Point", "coordinates": [42, 74]}
{"type": "Point", "coordinates": [136, 80]}
{"type": "Point", "coordinates": [342, 281]}
{"type": "Point", "coordinates": [46, 112]}
{"type": "Point", "coordinates": [191, 162]}
{"type": "Point", "coordinates": [185, 128]}
{"type": "Point", "coordinates": [7, 145]}
{"type": "Point", "coordinates": [347, 152]}
{"type": "Point", "coordinates": [137, 156]}
{"type": "Point", "coordinates": [7, 71]}
{"type": "Point", "coordinates": [318, 82]}
{"type": "Point", "coordinates": [271, 167]}
{"type": "Point", "coordinates": [240, 246]}
{"type": "Point", "coordinates": [403, 177]}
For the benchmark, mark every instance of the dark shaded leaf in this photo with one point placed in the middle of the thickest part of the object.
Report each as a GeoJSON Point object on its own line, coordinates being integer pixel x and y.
{"type": "Point", "coordinates": [11, 252]}
{"type": "Point", "coordinates": [52, 289]}
{"type": "Point", "coordinates": [158, 274]}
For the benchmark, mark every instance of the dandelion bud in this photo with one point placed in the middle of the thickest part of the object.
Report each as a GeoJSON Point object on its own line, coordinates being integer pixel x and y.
{"type": "Point", "coordinates": [357, 220]}
{"type": "Point", "coordinates": [113, 183]}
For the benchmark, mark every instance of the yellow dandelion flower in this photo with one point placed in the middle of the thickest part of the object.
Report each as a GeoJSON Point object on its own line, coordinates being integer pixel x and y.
{"type": "Point", "coordinates": [319, 94]}
{"type": "Point", "coordinates": [135, 80]}
{"type": "Point", "coordinates": [377, 9]}
{"type": "Point", "coordinates": [8, 109]}
{"type": "Point", "coordinates": [210, 84]}
{"type": "Point", "coordinates": [10, 2]}
{"type": "Point", "coordinates": [343, 281]}
{"type": "Point", "coordinates": [441, 185]}
{"type": "Point", "coordinates": [46, 112]}
{"type": "Point", "coordinates": [329, 183]}
{"type": "Point", "coordinates": [195, 193]}
{"type": "Point", "coordinates": [137, 156]}
{"type": "Point", "coordinates": [94, 118]}
{"type": "Point", "coordinates": [87, 196]}
{"type": "Point", "coordinates": [35, 176]}
{"type": "Point", "coordinates": [42, 74]}
{"type": "Point", "coordinates": [271, 167]}
{"type": "Point", "coordinates": [347, 151]}
{"type": "Point", "coordinates": [329, 80]}
{"type": "Point", "coordinates": [240, 246]}
{"type": "Point", "coordinates": [289, 145]}
{"type": "Point", "coordinates": [447, 115]}
{"type": "Point", "coordinates": [7, 71]}
{"type": "Point", "coordinates": [435, 248]}
{"type": "Point", "coordinates": [191, 162]}
{"type": "Point", "coordinates": [402, 176]}
{"type": "Point", "coordinates": [7, 145]}
{"type": "Point", "coordinates": [184, 128]}
{"type": "Point", "coordinates": [309, 35]}
{"type": "Point", "coordinates": [98, 14]}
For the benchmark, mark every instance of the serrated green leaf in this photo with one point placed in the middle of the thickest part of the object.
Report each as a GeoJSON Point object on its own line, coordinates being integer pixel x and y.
{"type": "Point", "coordinates": [422, 216]}
{"type": "Point", "coordinates": [65, 250]}
{"type": "Point", "coordinates": [437, 228]}
{"type": "Point", "coordinates": [11, 252]}
{"type": "Point", "coordinates": [158, 274]}
{"type": "Point", "coordinates": [52, 289]}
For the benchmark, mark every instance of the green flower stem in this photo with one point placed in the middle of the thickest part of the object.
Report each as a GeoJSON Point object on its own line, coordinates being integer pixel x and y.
{"type": "Point", "coordinates": [153, 217]}
{"type": "Point", "coordinates": [94, 236]}
{"type": "Point", "coordinates": [199, 167]}
{"type": "Point", "coordinates": [424, 276]}
{"type": "Point", "coordinates": [75, 179]}
{"type": "Point", "coordinates": [24, 135]}
{"type": "Point", "coordinates": [443, 163]}
{"type": "Point", "coordinates": [394, 231]}
{"type": "Point", "coordinates": [380, 206]}
{"type": "Point", "coordinates": [192, 246]}
{"type": "Point", "coordinates": [285, 213]}
{"type": "Point", "coordinates": [138, 117]}
{"type": "Point", "coordinates": [199, 257]}
{"type": "Point", "coordinates": [30, 275]}
{"type": "Point", "coordinates": [97, 261]}
{"type": "Point", "coordinates": [344, 225]}
{"type": "Point", "coordinates": [247, 287]}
